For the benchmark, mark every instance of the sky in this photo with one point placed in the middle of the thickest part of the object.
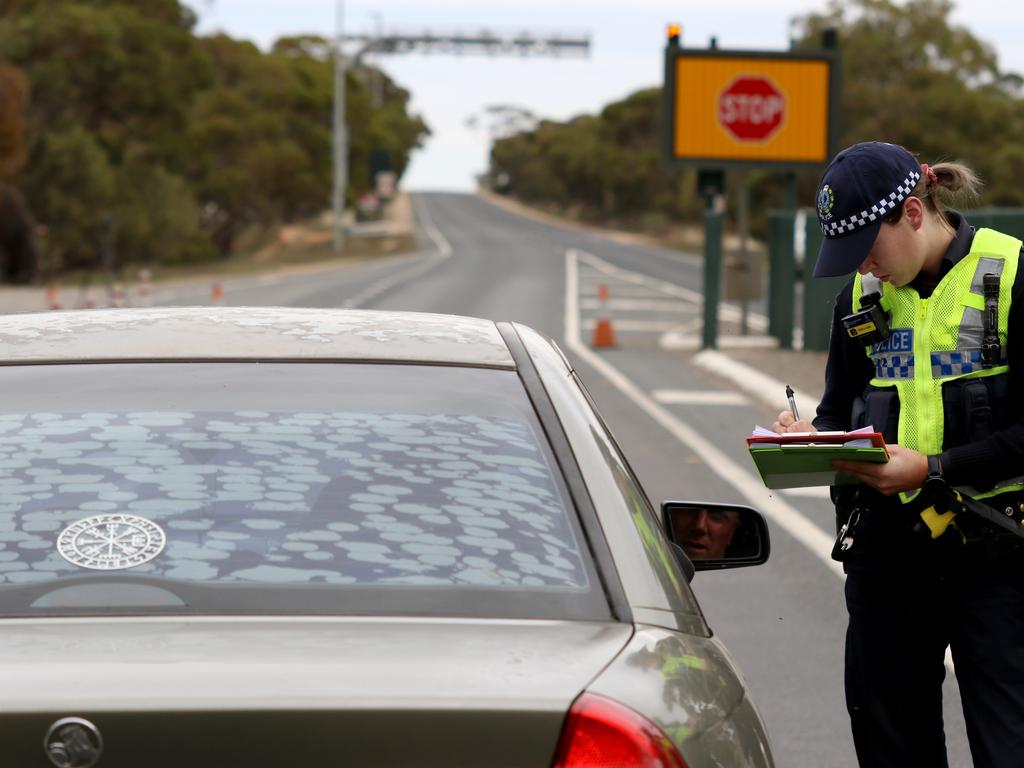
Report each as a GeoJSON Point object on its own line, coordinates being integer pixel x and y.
{"type": "Point", "coordinates": [627, 39]}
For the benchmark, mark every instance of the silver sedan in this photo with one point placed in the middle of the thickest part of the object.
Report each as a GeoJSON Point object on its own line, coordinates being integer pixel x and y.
{"type": "Point", "coordinates": [281, 537]}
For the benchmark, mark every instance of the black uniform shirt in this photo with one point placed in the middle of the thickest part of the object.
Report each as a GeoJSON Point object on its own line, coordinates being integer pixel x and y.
{"type": "Point", "coordinates": [849, 369]}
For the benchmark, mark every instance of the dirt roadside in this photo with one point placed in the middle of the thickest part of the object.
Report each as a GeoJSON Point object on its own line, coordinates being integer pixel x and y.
{"type": "Point", "coordinates": [297, 248]}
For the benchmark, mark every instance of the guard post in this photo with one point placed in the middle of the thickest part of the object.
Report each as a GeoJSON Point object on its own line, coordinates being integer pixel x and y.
{"type": "Point", "coordinates": [781, 276]}
{"type": "Point", "coordinates": [713, 221]}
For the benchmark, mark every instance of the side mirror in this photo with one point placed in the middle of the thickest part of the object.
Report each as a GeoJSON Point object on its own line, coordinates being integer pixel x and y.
{"type": "Point", "coordinates": [717, 535]}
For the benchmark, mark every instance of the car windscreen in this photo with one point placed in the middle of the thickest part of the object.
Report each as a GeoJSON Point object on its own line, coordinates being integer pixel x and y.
{"type": "Point", "coordinates": [277, 488]}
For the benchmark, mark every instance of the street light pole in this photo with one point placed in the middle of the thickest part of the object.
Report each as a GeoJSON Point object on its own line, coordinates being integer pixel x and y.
{"type": "Point", "coordinates": [340, 131]}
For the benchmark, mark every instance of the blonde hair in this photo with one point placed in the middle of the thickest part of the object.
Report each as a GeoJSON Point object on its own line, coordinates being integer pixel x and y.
{"type": "Point", "coordinates": [955, 185]}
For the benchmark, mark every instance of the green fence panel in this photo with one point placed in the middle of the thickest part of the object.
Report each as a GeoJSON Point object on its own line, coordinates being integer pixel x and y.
{"type": "Point", "coordinates": [819, 292]}
{"type": "Point", "coordinates": [1008, 220]}
{"type": "Point", "coordinates": [781, 276]}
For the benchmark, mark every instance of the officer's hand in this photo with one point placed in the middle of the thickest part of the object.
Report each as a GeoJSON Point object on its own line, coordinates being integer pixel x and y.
{"type": "Point", "coordinates": [787, 423]}
{"type": "Point", "coordinates": [906, 470]}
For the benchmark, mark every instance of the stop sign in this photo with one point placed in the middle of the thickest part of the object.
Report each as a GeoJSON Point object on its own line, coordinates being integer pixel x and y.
{"type": "Point", "coordinates": [751, 108]}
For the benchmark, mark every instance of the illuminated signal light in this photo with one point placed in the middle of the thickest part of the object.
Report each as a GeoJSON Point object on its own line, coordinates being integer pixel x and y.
{"type": "Point", "coordinates": [674, 31]}
{"type": "Point", "coordinates": [601, 733]}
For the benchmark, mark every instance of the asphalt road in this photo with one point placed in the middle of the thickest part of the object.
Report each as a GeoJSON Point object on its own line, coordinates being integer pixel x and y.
{"type": "Point", "coordinates": [681, 427]}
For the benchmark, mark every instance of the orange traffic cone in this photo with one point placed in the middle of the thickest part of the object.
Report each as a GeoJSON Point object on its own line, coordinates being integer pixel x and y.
{"type": "Point", "coordinates": [604, 334]}
{"type": "Point", "coordinates": [144, 290]}
{"type": "Point", "coordinates": [217, 292]}
{"type": "Point", "coordinates": [115, 295]}
{"type": "Point", "coordinates": [51, 296]}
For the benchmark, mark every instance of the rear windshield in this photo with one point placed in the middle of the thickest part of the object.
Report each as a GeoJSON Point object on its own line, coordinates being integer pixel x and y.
{"type": "Point", "coordinates": [283, 488]}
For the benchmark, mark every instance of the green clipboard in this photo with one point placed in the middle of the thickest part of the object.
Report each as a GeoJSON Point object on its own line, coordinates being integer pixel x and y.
{"type": "Point", "coordinates": [800, 465]}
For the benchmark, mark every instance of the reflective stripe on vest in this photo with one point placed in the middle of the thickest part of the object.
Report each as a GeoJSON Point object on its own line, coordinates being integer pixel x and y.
{"type": "Point", "coordinates": [939, 338]}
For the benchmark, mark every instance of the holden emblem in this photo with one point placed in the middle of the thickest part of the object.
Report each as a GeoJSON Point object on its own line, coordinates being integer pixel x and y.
{"type": "Point", "coordinates": [73, 742]}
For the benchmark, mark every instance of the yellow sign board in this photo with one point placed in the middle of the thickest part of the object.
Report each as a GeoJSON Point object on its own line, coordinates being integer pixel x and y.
{"type": "Point", "coordinates": [749, 108]}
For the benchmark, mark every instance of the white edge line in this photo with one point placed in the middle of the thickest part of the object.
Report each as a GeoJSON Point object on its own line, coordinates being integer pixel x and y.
{"type": "Point", "coordinates": [439, 240]}
{"type": "Point", "coordinates": [765, 388]}
{"type": "Point", "coordinates": [813, 492]}
{"type": "Point", "coordinates": [698, 397]}
{"type": "Point", "coordinates": [725, 311]}
{"type": "Point", "coordinates": [444, 250]}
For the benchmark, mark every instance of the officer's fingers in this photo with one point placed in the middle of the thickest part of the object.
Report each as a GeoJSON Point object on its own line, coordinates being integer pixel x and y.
{"type": "Point", "coordinates": [787, 423]}
{"type": "Point", "coordinates": [863, 471]}
{"type": "Point", "coordinates": [881, 477]}
{"type": "Point", "coordinates": [870, 480]}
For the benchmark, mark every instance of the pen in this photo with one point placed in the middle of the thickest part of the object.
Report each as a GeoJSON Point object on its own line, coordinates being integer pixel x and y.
{"type": "Point", "coordinates": [792, 402]}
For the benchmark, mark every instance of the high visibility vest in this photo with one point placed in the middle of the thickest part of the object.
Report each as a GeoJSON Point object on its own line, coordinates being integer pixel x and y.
{"type": "Point", "coordinates": [938, 340]}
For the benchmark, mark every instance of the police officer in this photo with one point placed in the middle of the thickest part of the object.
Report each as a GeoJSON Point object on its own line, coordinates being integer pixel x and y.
{"type": "Point", "coordinates": [944, 386]}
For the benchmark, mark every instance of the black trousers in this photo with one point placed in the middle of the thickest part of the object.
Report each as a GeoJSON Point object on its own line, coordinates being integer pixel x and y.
{"type": "Point", "coordinates": [905, 608]}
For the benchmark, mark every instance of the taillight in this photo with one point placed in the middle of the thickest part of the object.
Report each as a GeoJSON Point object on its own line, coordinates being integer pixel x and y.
{"type": "Point", "coordinates": [601, 733]}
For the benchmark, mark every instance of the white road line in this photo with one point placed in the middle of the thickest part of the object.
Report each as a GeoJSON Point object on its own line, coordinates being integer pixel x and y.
{"type": "Point", "coordinates": [444, 251]}
{"type": "Point", "coordinates": [749, 487]}
{"type": "Point", "coordinates": [637, 279]}
{"type": "Point", "coordinates": [674, 341]}
{"type": "Point", "coordinates": [757, 321]}
{"type": "Point", "coordinates": [765, 388]}
{"type": "Point", "coordinates": [697, 397]}
{"type": "Point", "coordinates": [813, 492]}
{"type": "Point", "coordinates": [790, 519]}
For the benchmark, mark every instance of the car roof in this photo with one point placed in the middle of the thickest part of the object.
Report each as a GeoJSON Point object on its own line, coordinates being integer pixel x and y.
{"type": "Point", "coordinates": [251, 333]}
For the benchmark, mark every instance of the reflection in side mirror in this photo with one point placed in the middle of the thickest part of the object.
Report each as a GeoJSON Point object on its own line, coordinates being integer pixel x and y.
{"type": "Point", "coordinates": [717, 535]}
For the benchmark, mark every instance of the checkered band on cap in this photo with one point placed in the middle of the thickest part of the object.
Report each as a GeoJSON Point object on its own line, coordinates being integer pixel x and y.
{"type": "Point", "coordinates": [879, 210]}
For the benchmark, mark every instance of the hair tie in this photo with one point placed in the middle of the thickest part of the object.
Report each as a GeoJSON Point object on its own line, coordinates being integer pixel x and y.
{"type": "Point", "coordinates": [929, 174]}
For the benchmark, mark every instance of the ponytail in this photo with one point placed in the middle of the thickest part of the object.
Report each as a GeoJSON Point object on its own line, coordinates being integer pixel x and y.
{"type": "Point", "coordinates": [948, 185]}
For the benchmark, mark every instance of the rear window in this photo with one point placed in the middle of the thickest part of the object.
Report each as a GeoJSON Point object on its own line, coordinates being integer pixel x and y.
{"type": "Point", "coordinates": [283, 488]}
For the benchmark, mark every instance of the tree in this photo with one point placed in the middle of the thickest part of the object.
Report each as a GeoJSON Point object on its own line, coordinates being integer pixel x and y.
{"type": "Point", "coordinates": [173, 138]}
{"type": "Point", "coordinates": [912, 77]}
{"type": "Point", "coordinates": [13, 103]}
{"type": "Point", "coordinates": [71, 188]}
{"type": "Point", "coordinates": [122, 74]}
{"type": "Point", "coordinates": [909, 75]}
{"type": "Point", "coordinates": [261, 137]}
{"type": "Point", "coordinates": [155, 218]}
{"type": "Point", "coordinates": [18, 256]}
{"type": "Point", "coordinates": [604, 166]}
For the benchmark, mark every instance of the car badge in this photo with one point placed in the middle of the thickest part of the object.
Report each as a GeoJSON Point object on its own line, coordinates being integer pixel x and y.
{"type": "Point", "coordinates": [73, 742]}
{"type": "Point", "coordinates": [111, 542]}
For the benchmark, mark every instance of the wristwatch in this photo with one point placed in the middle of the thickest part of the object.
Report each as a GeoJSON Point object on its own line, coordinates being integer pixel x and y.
{"type": "Point", "coordinates": [935, 469]}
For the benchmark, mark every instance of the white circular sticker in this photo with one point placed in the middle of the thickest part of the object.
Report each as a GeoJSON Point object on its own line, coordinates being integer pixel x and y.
{"type": "Point", "coordinates": [111, 542]}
